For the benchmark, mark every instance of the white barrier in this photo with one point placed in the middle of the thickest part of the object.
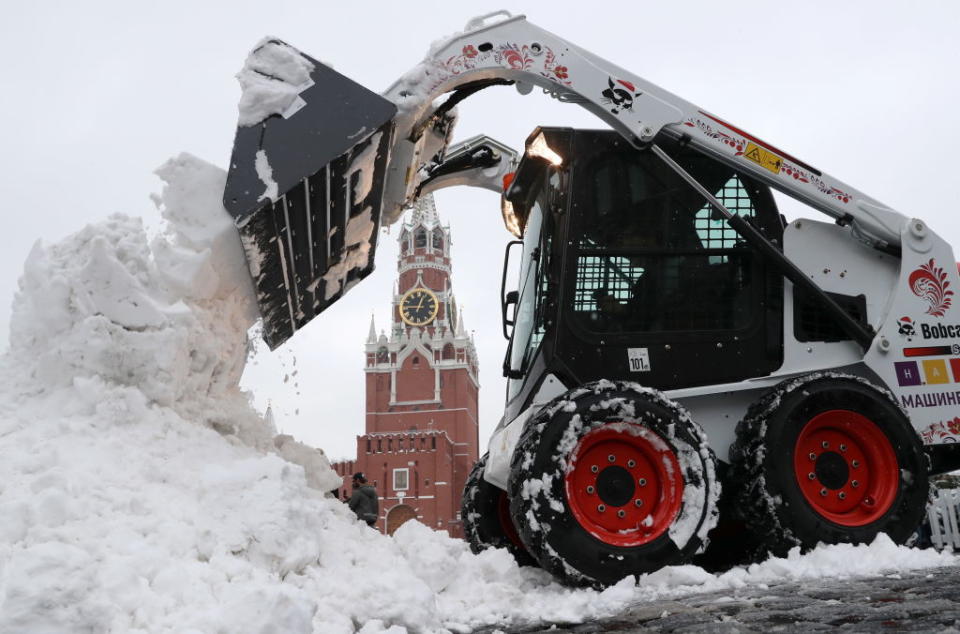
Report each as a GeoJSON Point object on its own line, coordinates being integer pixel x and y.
{"type": "Point", "coordinates": [944, 518]}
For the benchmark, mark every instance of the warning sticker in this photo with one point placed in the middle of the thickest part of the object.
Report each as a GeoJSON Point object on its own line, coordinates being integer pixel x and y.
{"type": "Point", "coordinates": [639, 359]}
{"type": "Point", "coordinates": [763, 158]}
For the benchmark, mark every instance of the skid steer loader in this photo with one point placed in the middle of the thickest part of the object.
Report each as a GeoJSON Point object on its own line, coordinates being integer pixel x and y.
{"type": "Point", "coordinates": [663, 301]}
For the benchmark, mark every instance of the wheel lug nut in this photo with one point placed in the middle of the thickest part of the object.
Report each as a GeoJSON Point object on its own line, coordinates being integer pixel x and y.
{"type": "Point", "coordinates": [843, 447]}
{"type": "Point", "coordinates": [642, 482]}
{"type": "Point", "coordinates": [621, 514]}
{"type": "Point", "coordinates": [812, 475]}
{"type": "Point", "coordinates": [594, 468]}
{"type": "Point", "coordinates": [824, 444]}
{"type": "Point", "coordinates": [813, 456]}
{"type": "Point", "coordinates": [855, 484]}
{"type": "Point", "coordinates": [590, 490]}
{"type": "Point", "coordinates": [842, 495]}
{"type": "Point", "coordinates": [855, 463]}
{"type": "Point", "coordinates": [638, 502]}
{"type": "Point", "coordinates": [601, 508]}
{"type": "Point", "coordinates": [631, 463]}
{"type": "Point", "coordinates": [823, 492]}
{"type": "Point", "coordinates": [611, 458]}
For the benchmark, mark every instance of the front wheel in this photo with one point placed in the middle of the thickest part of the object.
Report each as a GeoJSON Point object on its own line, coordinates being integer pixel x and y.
{"type": "Point", "coordinates": [612, 480]}
{"type": "Point", "coordinates": [827, 458]}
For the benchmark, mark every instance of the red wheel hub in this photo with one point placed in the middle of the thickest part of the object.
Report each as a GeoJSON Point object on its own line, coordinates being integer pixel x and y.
{"type": "Point", "coordinates": [624, 484]}
{"type": "Point", "coordinates": [846, 467]}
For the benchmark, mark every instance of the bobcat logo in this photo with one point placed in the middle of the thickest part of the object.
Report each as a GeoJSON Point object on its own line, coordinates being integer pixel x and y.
{"type": "Point", "coordinates": [619, 94]}
{"type": "Point", "coordinates": [906, 327]}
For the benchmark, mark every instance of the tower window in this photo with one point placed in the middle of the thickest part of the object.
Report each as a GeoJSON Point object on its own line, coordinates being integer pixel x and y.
{"type": "Point", "coordinates": [438, 239]}
{"type": "Point", "coordinates": [416, 362]}
{"type": "Point", "coordinates": [420, 239]}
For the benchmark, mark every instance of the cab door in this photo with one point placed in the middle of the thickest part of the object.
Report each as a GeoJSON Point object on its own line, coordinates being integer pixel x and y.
{"type": "Point", "coordinates": [659, 288]}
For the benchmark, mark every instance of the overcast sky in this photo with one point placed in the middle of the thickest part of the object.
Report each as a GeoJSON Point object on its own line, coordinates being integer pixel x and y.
{"type": "Point", "coordinates": [96, 95]}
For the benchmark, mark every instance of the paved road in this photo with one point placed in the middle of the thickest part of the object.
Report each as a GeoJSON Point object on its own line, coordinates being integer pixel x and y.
{"type": "Point", "coordinates": [924, 601]}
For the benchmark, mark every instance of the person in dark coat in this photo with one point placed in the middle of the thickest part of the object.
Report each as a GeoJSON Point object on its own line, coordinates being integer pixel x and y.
{"type": "Point", "coordinates": [363, 500]}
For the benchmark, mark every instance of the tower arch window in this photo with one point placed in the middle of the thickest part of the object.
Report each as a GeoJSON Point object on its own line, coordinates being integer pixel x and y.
{"type": "Point", "coordinates": [438, 239]}
{"type": "Point", "coordinates": [383, 356]}
{"type": "Point", "coordinates": [420, 238]}
{"type": "Point", "coordinates": [404, 242]}
{"type": "Point", "coordinates": [448, 351]}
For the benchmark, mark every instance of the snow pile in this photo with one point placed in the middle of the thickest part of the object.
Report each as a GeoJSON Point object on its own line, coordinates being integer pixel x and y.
{"type": "Point", "coordinates": [139, 492]}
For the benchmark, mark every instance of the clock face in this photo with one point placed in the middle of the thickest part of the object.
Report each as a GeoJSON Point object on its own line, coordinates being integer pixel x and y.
{"type": "Point", "coordinates": [418, 307]}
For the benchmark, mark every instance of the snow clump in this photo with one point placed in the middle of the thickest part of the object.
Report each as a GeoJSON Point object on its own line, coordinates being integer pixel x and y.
{"type": "Point", "coordinates": [272, 79]}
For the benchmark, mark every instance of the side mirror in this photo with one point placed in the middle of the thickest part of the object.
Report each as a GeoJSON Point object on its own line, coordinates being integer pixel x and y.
{"type": "Point", "coordinates": [513, 296]}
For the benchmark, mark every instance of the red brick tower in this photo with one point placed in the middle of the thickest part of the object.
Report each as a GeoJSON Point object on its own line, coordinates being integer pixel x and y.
{"type": "Point", "coordinates": [422, 416]}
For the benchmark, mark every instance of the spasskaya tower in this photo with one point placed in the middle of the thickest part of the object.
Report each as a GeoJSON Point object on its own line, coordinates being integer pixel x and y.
{"type": "Point", "coordinates": [421, 435]}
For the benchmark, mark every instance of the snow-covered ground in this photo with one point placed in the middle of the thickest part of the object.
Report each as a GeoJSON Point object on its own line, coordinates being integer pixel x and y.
{"type": "Point", "coordinates": [140, 491]}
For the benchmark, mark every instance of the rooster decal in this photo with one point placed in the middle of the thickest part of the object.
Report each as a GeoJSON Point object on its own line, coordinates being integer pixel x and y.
{"type": "Point", "coordinates": [929, 283]}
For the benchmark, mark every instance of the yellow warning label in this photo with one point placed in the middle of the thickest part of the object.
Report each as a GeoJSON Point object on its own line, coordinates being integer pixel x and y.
{"type": "Point", "coordinates": [763, 158]}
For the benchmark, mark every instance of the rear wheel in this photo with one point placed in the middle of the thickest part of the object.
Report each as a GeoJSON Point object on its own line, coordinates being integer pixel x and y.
{"type": "Point", "coordinates": [827, 458]}
{"type": "Point", "coordinates": [612, 480]}
{"type": "Point", "coordinates": [486, 517]}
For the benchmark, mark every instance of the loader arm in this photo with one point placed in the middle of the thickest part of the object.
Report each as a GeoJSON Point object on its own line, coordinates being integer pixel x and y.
{"type": "Point", "coordinates": [312, 180]}
{"type": "Point", "coordinates": [513, 49]}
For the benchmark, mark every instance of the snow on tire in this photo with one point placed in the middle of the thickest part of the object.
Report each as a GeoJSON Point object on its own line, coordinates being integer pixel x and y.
{"type": "Point", "coordinates": [612, 479]}
{"type": "Point", "coordinates": [827, 458]}
{"type": "Point", "coordinates": [486, 517]}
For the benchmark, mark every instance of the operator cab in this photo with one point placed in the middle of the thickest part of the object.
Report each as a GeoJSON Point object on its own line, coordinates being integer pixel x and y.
{"type": "Point", "coordinates": [627, 272]}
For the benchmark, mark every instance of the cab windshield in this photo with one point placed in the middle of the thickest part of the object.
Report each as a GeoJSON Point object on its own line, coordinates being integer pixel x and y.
{"type": "Point", "coordinates": [652, 255]}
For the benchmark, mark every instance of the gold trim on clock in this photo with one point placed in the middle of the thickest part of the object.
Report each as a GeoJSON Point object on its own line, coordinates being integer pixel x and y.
{"type": "Point", "coordinates": [419, 306]}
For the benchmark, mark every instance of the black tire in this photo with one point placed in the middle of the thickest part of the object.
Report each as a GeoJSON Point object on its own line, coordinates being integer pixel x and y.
{"type": "Point", "coordinates": [792, 490]}
{"type": "Point", "coordinates": [486, 517]}
{"type": "Point", "coordinates": [611, 434]}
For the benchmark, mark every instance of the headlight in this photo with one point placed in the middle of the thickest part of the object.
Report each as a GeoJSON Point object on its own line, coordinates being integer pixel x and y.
{"type": "Point", "coordinates": [540, 149]}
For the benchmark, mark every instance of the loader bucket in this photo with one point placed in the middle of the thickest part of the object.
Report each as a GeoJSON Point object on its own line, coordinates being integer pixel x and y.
{"type": "Point", "coordinates": [309, 239]}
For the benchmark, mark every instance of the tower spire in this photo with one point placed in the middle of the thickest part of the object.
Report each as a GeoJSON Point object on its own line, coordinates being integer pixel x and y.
{"type": "Point", "coordinates": [425, 212]}
{"type": "Point", "coordinates": [372, 336]}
